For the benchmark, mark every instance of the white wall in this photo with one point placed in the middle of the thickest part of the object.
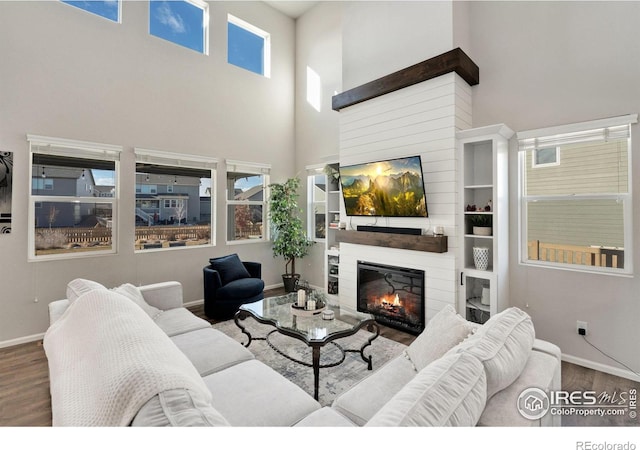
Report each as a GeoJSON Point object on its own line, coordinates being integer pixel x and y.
{"type": "Point", "coordinates": [553, 63]}
{"type": "Point", "coordinates": [66, 73]}
{"type": "Point", "coordinates": [383, 37]}
{"type": "Point", "coordinates": [319, 47]}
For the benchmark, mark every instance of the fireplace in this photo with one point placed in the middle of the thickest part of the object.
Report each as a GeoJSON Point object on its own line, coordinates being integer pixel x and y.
{"type": "Point", "coordinates": [393, 295]}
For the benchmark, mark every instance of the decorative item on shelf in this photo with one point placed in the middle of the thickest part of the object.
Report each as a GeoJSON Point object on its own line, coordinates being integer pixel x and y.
{"type": "Point", "coordinates": [333, 270]}
{"type": "Point", "coordinates": [332, 287]}
{"type": "Point", "coordinates": [342, 225]}
{"type": "Point", "coordinates": [438, 230]}
{"type": "Point", "coordinates": [486, 296]}
{"type": "Point", "coordinates": [481, 257]}
{"type": "Point", "coordinates": [482, 224]}
{"type": "Point", "coordinates": [332, 173]}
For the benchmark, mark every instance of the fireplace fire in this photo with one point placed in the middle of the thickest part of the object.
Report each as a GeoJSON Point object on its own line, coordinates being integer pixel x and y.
{"type": "Point", "coordinates": [393, 295]}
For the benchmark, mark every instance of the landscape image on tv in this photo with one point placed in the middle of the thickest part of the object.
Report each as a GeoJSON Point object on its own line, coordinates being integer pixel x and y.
{"type": "Point", "coordinates": [391, 188]}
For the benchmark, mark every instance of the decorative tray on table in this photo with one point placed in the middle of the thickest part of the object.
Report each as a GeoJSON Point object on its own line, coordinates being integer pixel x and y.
{"type": "Point", "coordinates": [302, 311]}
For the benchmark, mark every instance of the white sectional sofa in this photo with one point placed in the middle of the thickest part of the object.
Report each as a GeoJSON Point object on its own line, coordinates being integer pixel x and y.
{"type": "Point", "coordinates": [136, 356]}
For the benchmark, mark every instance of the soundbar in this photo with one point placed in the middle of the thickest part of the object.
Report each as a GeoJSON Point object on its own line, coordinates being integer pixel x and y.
{"type": "Point", "coordinates": [393, 230]}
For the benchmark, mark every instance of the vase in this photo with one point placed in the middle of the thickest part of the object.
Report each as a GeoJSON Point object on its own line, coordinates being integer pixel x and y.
{"type": "Point", "coordinates": [481, 257]}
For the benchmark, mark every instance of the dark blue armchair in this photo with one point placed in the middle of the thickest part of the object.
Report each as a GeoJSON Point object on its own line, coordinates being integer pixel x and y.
{"type": "Point", "coordinates": [230, 283]}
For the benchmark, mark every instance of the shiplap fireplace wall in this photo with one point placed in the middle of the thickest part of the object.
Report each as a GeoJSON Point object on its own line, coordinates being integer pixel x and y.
{"type": "Point", "coordinates": [420, 119]}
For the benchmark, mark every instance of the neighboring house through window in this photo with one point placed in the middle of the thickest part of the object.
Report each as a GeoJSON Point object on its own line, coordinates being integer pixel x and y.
{"type": "Point", "coordinates": [578, 214]}
{"type": "Point", "coordinates": [174, 194]}
{"type": "Point", "coordinates": [545, 157]}
{"type": "Point", "coordinates": [246, 201]}
{"type": "Point", "coordinates": [67, 213]}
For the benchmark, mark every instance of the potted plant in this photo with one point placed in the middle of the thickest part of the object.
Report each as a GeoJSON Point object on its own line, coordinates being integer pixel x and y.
{"type": "Point", "coordinates": [482, 224]}
{"type": "Point", "coordinates": [289, 238]}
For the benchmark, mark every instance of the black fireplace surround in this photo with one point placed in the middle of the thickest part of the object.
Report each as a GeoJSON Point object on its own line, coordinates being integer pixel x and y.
{"type": "Point", "coordinates": [393, 295]}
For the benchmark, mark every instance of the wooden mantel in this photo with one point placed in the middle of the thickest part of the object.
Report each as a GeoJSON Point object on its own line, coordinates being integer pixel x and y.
{"type": "Point", "coordinates": [422, 243]}
{"type": "Point", "coordinates": [452, 61]}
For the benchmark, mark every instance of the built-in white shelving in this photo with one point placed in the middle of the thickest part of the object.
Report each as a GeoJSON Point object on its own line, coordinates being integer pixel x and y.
{"type": "Point", "coordinates": [483, 168]}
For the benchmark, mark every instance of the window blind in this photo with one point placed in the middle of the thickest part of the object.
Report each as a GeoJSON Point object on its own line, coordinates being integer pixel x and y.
{"type": "Point", "coordinates": [594, 131]}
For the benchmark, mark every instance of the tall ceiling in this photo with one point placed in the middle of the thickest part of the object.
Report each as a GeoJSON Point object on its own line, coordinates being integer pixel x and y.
{"type": "Point", "coordinates": [292, 8]}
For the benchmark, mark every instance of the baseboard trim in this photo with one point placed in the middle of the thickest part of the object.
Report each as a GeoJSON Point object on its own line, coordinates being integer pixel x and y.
{"type": "Point", "coordinates": [193, 303]}
{"type": "Point", "coordinates": [623, 373]}
{"type": "Point", "coordinates": [21, 340]}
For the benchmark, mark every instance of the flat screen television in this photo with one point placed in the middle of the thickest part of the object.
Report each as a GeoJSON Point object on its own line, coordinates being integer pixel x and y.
{"type": "Point", "coordinates": [389, 188]}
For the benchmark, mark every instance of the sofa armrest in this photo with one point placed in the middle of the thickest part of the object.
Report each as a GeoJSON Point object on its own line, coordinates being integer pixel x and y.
{"type": "Point", "coordinates": [547, 347]}
{"type": "Point", "coordinates": [57, 309]}
{"type": "Point", "coordinates": [254, 268]}
{"type": "Point", "coordinates": [166, 295]}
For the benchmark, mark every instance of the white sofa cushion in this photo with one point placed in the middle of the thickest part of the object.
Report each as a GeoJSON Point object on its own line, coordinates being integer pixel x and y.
{"type": "Point", "coordinates": [134, 294]}
{"type": "Point", "coordinates": [79, 286]}
{"type": "Point", "coordinates": [451, 391]}
{"type": "Point", "coordinates": [503, 344]}
{"type": "Point", "coordinates": [211, 350]}
{"type": "Point", "coordinates": [443, 332]}
{"type": "Point", "coordinates": [252, 394]}
{"type": "Point", "coordinates": [179, 320]}
{"type": "Point", "coordinates": [363, 400]}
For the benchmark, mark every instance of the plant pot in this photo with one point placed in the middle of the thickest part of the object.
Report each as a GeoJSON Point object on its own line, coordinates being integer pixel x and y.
{"type": "Point", "coordinates": [290, 281]}
{"type": "Point", "coordinates": [481, 257]}
{"type": "Point", "coordinates": [483, 231]}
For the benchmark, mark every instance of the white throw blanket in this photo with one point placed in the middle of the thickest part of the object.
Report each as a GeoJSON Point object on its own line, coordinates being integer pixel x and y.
{"type": "Point", "coordinates": [107, 358]}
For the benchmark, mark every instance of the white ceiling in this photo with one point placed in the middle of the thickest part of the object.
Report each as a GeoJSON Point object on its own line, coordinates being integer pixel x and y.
{"type": "Point", "coordinates": [292, 8]}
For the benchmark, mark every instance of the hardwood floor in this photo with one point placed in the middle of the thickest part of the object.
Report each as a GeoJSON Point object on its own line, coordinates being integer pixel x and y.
{"type": "Point", "coordinates": [25, 399]}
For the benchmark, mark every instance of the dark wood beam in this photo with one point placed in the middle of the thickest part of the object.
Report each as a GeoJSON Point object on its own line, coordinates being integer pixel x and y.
{"type": "Point", "coordinates": [452, 61]}
{"type": "Point", "coordinates": [422, 243]}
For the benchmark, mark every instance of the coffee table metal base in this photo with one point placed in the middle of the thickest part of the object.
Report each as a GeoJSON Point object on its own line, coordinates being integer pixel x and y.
{"type": "Point", "coordinates": [371, 326]}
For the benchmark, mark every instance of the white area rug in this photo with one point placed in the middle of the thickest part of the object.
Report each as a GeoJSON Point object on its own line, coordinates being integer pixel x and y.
{"type": "Point", "coordinates": [333, 380]}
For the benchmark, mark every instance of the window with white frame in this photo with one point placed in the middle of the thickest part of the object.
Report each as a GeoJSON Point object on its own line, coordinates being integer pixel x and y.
{"type": "Point", "coordinates": [248, 46]}
{"type": "Point", "coordinates": [578, 215]}
{"type": "Point", "coordinates": [246, 201]}
{"type": "Point", "coordinates": [183, 22]}
{"type": "Point", "coordinates": [67, 215]}
{"type": "Point", "coordinates": [110, 9]}
{"type": "Point", "coordinates": [545, 157]}
{"type": "Point", "coordinates": [174, 198]}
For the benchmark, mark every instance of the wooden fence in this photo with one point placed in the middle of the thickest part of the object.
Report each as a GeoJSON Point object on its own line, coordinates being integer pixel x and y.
{"type": "Point", "coordinates": [103, 234]}
{"type": "Point", "coordinates": [173, 232]}
{"type": "Point", "coordinates": [574, 254]}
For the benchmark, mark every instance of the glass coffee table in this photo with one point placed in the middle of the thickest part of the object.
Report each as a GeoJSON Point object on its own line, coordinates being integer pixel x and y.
{"type": "Point", "coordinates": [313, 330]}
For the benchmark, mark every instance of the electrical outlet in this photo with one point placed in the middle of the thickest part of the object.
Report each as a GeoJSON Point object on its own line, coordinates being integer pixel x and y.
{"type": "Point", "coordinates": [581, 328]}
